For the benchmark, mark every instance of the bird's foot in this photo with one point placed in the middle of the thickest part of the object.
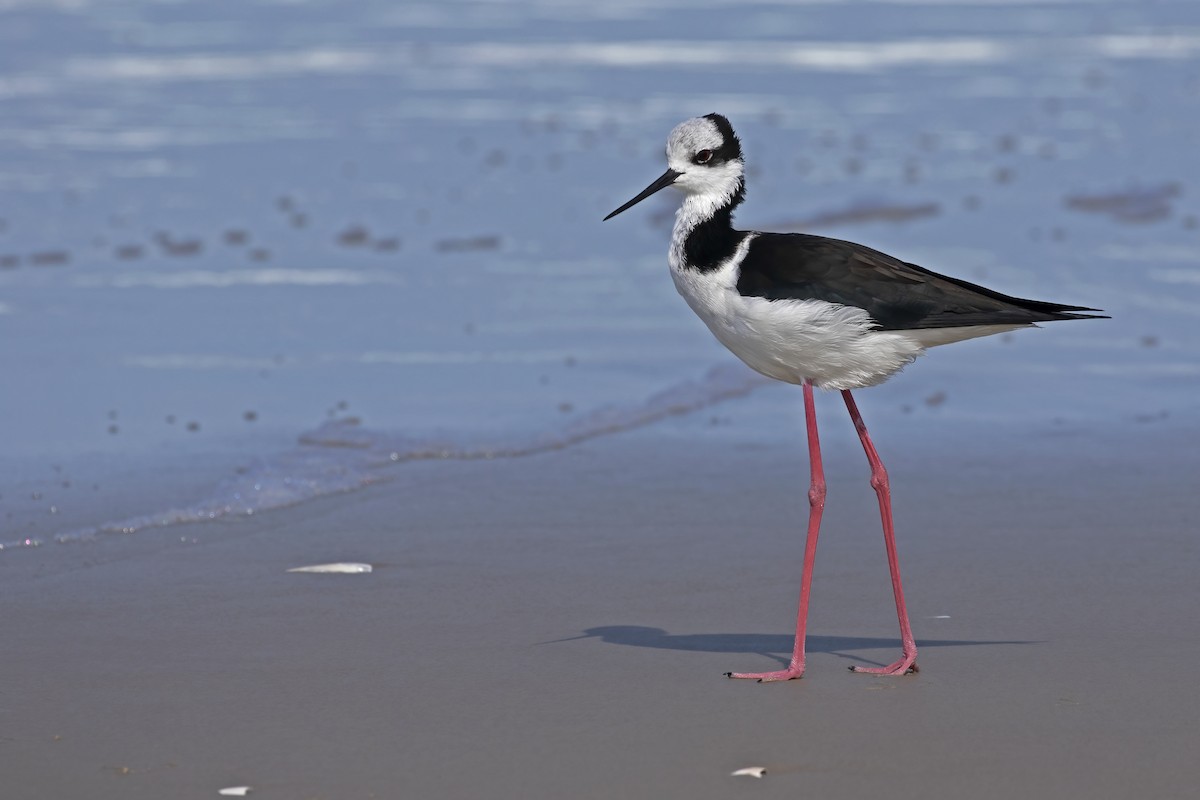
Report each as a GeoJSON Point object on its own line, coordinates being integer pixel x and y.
{"type": "Point", "coordinates": [767, 677]}
{"type": "Point", "coordinates": [905, 666]}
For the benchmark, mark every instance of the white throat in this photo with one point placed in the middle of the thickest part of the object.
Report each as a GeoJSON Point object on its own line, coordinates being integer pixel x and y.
{"type": "Point", "coordinates": [700, 206]}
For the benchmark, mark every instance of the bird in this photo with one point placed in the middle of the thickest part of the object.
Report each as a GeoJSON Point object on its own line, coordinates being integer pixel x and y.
{"type": "Point", "coordinates": [816, 312]}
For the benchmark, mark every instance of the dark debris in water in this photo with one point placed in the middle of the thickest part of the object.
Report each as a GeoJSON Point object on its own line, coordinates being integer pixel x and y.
{"type": "Point", "coordinates": [1134, 205]}
{"type": "Point", "coordinates": [49, 258]}
{"type": "Point", "coordinates": [469, 244]}
{"type": "Point", "coordinates": [864, 213]}
{"type": "Point", "coordinates": [178, 247]}
{"type": "Point", "coordinates": [354, 236]}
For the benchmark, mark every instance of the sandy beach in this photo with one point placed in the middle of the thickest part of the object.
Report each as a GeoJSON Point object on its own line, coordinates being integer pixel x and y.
{"type": "Point", "coordinates": [1054, 607]}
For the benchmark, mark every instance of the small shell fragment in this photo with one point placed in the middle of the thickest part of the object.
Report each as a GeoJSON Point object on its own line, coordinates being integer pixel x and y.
{"type": "Point", "coordinates": [344, 567]}
{"type": "Point", "coordinates": [753, 772]}
{"type": "Point", "coordinates": [234, 791]}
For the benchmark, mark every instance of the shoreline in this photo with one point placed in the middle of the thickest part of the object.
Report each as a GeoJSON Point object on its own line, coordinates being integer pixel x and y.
{"type": "Point", "coordinates": [202, 664]}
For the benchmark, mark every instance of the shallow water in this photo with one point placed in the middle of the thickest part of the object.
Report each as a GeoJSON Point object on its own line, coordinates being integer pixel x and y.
{"type": "Point", "coordinates": [228, 230]}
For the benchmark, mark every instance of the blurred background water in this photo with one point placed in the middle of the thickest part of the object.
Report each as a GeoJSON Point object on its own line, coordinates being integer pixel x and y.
{"type": "Point", "coordinates": [257, 250]}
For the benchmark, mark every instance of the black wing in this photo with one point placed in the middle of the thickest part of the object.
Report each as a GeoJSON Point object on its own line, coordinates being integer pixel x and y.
{"type": "Point", "coordinates": [897, 295]}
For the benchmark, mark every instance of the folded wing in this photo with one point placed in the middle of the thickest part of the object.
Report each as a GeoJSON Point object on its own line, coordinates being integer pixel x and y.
{"type": "Point", "coordinates": [897, 295]}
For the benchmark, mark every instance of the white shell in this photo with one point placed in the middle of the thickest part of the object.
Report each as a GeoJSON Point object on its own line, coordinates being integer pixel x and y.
{"type": "Point", "coordinates": [235, 791]}
{"type": "Point", "coordinates": [344, 567]}
{"type": "Point", "coordinates": [753, 772]}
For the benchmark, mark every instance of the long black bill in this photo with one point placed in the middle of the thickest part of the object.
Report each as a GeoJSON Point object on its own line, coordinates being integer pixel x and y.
{"type": "Point", "coordinates": [663, 182]}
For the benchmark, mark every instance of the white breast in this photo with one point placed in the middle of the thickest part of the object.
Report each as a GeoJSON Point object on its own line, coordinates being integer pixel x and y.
{"type": "Point", "coordinates": [834, 346]}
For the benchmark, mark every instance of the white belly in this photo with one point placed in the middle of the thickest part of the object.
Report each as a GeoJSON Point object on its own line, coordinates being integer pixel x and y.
{"type": "Point", "coordinates": [834, 346]}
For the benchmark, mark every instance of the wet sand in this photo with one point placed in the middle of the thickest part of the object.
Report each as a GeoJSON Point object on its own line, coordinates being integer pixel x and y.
{"type": "Point", "coordinates": [1051, 580]}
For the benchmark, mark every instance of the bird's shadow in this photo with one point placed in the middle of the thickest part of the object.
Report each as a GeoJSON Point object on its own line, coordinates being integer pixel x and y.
{"type": "Point", "coordinates": [770, 645]}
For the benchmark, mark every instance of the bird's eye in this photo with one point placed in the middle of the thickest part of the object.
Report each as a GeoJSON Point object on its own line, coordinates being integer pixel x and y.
{"type": "Point", "coordinates": [703, 157]}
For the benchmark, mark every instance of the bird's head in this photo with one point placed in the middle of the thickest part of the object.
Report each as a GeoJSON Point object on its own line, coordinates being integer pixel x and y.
{"type": "Point", "coordinates": [704, 158]}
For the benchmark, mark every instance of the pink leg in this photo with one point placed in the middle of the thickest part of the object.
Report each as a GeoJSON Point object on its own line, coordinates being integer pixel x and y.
{"type": "Point", "coordinates": [816, 502]}
{"type": "Point", "coordinates": [879, 481]}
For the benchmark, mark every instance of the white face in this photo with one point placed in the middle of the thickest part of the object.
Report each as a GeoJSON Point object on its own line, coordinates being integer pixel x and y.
{"type": "Point", "coordinates": [705, 157]}
{"type": "Point", "coordinates": [693, 149]}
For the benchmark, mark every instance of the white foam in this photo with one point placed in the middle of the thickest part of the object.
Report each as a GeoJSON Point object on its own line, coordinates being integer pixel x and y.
{"type": "Point", "coordinates": [342, 455]}
{"type": "Point", "coordinates": [403, 58]}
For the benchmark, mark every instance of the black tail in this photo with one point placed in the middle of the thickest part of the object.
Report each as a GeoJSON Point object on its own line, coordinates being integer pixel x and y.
{"type": "Point", "coordinates": [1039, 310]}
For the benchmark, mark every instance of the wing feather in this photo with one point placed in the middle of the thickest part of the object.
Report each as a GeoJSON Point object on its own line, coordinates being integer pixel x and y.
{"type": "Point", "coordinates": [897, 295]}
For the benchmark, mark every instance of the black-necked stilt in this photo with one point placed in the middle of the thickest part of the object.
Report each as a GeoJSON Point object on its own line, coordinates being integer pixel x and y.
{"type": "Point", "coordinates": [816, 312]}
